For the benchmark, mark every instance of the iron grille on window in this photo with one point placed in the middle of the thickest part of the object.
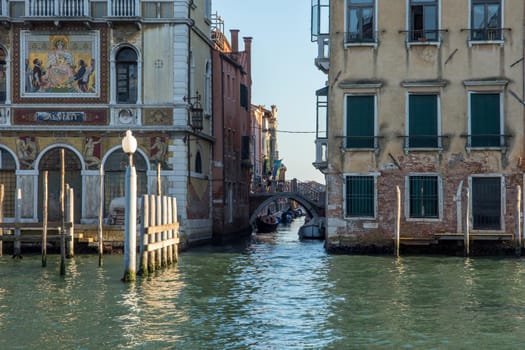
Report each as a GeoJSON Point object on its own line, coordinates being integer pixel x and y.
{"type": "Point", "coordinates": [423, 196]}
{"type": "Point", "coordinates": [360, 196]}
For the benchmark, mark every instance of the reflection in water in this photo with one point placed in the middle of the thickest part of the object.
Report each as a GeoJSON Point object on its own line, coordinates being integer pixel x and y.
{"type": "Point", "coordinates": [271, 292]}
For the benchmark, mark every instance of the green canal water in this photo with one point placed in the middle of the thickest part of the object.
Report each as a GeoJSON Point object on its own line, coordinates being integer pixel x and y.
{"type": "Point", "coordinates": [273, 292]}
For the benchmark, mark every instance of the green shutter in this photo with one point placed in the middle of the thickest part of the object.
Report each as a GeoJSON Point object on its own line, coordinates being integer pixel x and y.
{"type": "Point", "coordinates": [423, 123]}
{"type": "Point", "coordinates": [360, 122]}
{"type": "Point", "coordinates": [485, 120]}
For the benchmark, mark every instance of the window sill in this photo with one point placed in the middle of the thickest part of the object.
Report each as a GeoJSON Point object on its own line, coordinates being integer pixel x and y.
{"type": "Point", "coordinates": [433, 220]}
{"type": "Point", "coordinates": [423, 43]}
{"type": "Point", "coordinates": [481, 148]}
{"type": "Point", "coordinates": [365, 44]}
{"type": "Point", "coordinates": [359, 149]}
{"type": "Point", "coordinates": [361, 218]}
{"type": "Point", "coordinates": [485, 42]}
{"type": "Point", "coordinates": [423, 149]}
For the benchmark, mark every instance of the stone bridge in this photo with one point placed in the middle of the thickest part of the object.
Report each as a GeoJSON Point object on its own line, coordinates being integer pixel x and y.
{"type": "Point", "coordinates": [311, 198]}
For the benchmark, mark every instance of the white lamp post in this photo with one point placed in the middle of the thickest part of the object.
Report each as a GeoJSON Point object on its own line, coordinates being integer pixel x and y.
{"type": "Point", "coordinates": [129, 146]}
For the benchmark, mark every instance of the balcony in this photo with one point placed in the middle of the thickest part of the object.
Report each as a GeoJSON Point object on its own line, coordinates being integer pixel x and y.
{"type": "Point", "coordinates": [321, 153]}
{"type": "Point", "coordinates": [57, 8]}
{"type": "Point", "coordinates": [82, 9]}
{"type": "Point", "coordinates": [323, 53]}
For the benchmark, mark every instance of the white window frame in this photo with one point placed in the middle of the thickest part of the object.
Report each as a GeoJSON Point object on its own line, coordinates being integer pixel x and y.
{"type": "Point", "coordinates": [503, 200]}
{"type": "Point", "coordinates": [409, 28]}
{"type": "Point", "coordinates": [375, 42]}
{"type": "Point", "coordinates": [485, 42]}
{"type": "Point", "coordinates": [375, 175]}
{"type": "Point", "coordinates": [407, 198]}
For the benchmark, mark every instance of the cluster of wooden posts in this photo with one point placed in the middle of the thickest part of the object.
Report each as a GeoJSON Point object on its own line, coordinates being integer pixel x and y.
{"type": "Point", "coordinates": [159, 233]}
{"type": "Point", "coordinates": [158, 236]}
{"type": "Point", "coordinates": [65, 228]}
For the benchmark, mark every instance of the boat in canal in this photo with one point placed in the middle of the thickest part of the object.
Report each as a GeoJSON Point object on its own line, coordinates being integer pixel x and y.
{"type": "Point", "coordinates": [311, 229]}
{"type": "Point", "coordinates": [266, 223]}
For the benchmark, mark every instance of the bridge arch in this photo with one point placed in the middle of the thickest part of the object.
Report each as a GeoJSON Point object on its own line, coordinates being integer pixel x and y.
{"type": "Point", "coordinates": [310, 208]}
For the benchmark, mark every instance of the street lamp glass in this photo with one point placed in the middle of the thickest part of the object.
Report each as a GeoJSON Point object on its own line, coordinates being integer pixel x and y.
{"type": "Point", "coordinates": [129, 143]}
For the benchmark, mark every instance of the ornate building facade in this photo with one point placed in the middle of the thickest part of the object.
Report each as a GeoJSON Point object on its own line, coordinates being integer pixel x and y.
{"type": "Point", "coordinates": [76, 74]}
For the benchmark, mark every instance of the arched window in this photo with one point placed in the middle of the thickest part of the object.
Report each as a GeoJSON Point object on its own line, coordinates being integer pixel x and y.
{"type": "Point", "coordinates": [127, 75]}
{"type": "Point", "coordinates": [3, 76]}
{"type": "Point", "coordinates": [198, 163]}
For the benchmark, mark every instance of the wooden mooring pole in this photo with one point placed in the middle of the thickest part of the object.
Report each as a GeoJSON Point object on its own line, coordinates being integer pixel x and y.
{"type": "Point", "coordinates": [61, 231]}
{"type": "Point", "coordinates": [17, 245]}
{"type": "Point", "coordinates": [100, 217]}
{"type": "Point", "coordinates": [2, 194]}
{"type": "Point", "coordinates": [70, 218]}
{"type": "Point", "coordinates": [466, 238]}
{"type": "Point", "coordinates": [159, 187]}
{"type": "Point", "coordinates": [44, 219]}
{"type": "Point", "coordinates": [518, 221]}
{"type": "Point", "coordinates": [398, 220]}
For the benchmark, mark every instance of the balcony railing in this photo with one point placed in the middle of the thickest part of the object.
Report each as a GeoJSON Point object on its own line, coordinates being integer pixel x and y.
{"type": "Point", "coordinates": [124, 8]}
{"type": "Point", "coordinates": [487, 34]}
{"type": "Point", "coordinates": [81, 8]}
{"type": "Point", "coordinates": [424, 36]}
{"type": "Point", "coordinates": [361, 37]}
{"type": "Point", "coordinates": [487, 141]}
{"type": "Point", "coordinates": [57, 8]}
{"type": "Point", "coordinates": [415, 142]}
{"type": "Point", "coordinates": [361, 142]}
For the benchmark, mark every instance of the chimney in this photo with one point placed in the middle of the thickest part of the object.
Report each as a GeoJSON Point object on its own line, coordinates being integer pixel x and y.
{"type": "Point", "coordinates": [248, 52]}
{"type": "Point", "coordinates": [235, 40]}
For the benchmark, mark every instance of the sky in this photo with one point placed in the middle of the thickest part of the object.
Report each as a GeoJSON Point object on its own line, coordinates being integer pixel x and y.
{"type": "Point", "coordinates": [283, 72]}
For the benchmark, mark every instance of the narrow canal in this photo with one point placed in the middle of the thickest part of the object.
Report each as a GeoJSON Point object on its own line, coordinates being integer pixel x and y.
{"type": "Point", "coordinates": [273, 292]}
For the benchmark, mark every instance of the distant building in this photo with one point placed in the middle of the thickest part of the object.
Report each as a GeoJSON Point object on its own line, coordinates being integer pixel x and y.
{"type": "Point", "coordinates": [232, 153]}
{"type": "Point", "coordinates": [76, 76]}
{"type": "Point", "coordinates": [264, 126]}
{"type": "Point", "coordinates": [426, 96]}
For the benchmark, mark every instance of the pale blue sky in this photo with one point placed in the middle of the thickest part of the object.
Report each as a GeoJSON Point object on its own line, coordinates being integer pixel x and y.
{"type": "Point", "coordinates": [283, 71]}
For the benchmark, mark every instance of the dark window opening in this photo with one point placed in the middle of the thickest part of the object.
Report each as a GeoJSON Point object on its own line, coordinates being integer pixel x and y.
{"type": "Point", "coordinates": [486, 203]}
{"type": "Point", "coordinates": [127, 76]}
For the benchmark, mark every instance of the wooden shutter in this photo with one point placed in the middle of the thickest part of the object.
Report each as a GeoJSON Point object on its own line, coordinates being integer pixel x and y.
{"type": "Point", "coordinates": [360, 122]}
{"type": "Point", "coordinates": [485, 120]}
{"type": "Point", "coordinates": [422, 124]}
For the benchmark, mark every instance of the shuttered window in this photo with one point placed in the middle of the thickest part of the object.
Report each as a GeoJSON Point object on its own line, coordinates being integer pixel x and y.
{"type": "Point", "coordinates": [360, 111]}
{"type": "Point", "coordinates": [423, 121]}
{"type": "Point", "coordinates": [424, 197]}
{"type": "Point", "coordinates": [360, 196]}
{"type": "Point", "coordinates": [485, 120]}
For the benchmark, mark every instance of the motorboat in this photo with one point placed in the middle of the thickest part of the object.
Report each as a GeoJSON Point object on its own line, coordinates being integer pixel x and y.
{"type": "Point", "coordinates": [312, 229]}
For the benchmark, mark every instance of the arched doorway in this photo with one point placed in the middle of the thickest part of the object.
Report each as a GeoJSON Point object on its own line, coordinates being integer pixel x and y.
{"type": "Point", "coordinates": [51, 163]}
{"type": "Point", "coordinates": [115, 173]}
{"type": "Point", "coordinates": [8, 179]}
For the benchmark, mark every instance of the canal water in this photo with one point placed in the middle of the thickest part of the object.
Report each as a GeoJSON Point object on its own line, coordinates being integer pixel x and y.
{"type": "Point", "coordinates": [271, 292]}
